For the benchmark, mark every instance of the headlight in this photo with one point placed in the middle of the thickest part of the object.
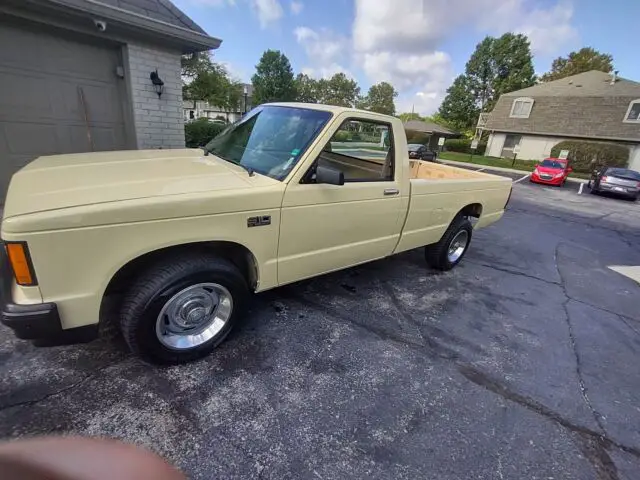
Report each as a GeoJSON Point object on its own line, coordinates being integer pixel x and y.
{"type": "Point", "coordinates": [558, 175]}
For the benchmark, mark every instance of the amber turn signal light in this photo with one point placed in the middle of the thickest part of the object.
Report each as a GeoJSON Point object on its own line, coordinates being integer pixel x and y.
{"type": "Point", "coordinates": [21, 263]}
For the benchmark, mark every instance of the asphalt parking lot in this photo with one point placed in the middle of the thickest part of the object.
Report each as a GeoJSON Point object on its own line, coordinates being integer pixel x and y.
{"type": "Point", "coordinates": [520, 363]}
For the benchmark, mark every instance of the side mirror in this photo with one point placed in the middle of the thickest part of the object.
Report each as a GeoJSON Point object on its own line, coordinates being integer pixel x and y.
{"type": "Point", "coordinates": [537, 165]}
{"type": "Point", "coordinates": [569, 169]}
{"type": "Point", "coordinates": [328, 175]}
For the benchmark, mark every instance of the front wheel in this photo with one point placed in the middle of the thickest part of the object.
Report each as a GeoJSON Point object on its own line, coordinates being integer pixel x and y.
{"type": "Point", "coordinates": [180, 310]}
{"type": "Point", "coordinates": [453, 245]}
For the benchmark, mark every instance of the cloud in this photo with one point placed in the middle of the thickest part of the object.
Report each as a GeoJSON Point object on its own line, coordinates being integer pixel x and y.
{"type": "Point", "coordinates": [407, 25]}
{"type": "Point", "coordinates": [325, 51]}
{"type": "Point", "coordinates": [327, 71]}
{"type": "Point", "coordinates": [421, 79]}
{"type": "Point", "coordinates": [268, 11]}
{"type": "Point", "coordinates": [401, 41]}
{"type": "Point", "coordinates": [235, 72]}
{"type": "Point", "coordinates": [296, 7]}
{"type": "Point", "coordinates": [546, 40]}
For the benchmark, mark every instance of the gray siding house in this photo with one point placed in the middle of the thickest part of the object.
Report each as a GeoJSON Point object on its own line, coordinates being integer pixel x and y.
{"type": "Point", "coordinates": [75, 76]}
{"type": "Point", "coordinates": [592, 106]}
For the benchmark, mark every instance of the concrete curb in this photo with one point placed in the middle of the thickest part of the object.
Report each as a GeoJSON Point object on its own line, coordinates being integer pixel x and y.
{"type": "Point", "coordinates": [498, 169]}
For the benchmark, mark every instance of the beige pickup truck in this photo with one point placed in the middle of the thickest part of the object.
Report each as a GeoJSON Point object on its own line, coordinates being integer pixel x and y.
{"type": "Point", "coordinates": [177, 239]}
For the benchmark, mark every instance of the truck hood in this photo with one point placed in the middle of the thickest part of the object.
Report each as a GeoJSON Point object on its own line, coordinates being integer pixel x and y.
{"type": "Point", "coordinates": [62, 181]}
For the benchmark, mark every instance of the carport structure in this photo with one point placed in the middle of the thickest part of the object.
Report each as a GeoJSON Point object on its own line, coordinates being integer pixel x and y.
{"type": "Point", "coordinates": [434, 131]}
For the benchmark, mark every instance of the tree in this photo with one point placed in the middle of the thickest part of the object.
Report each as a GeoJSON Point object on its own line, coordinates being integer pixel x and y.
{"type": "Point", "coordinates": [460, 106]}
{"type": "Point", "coordinates": [584, 60]}
{"type": "Point", "coordinates": [205, 80]}
{"type": "Point", "coordinates": [306, 89]}
{"type": "Point", "coordinates": [408, 116]}
{"type": "Point", "coordinates": [380, 99]}
{"type": "Point", "coordinates": [273, 80]}
{"type": "Point", "coordinates": [194, 63]}
{"type": "Point", "coordinates": [513, 66]}
{"type": "Point", "coordinates": [339, 90]}
{"type": "Point", "coordinates": [497, 66]}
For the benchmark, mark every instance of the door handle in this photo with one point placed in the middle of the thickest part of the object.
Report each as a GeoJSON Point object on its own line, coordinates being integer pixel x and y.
{"type": "Point", "coordinates": [391, 191]}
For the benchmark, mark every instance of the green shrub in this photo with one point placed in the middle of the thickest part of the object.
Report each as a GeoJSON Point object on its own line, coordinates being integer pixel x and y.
{"type": "Point", "coordinates": [199, 132]}
{"type": "Point", "coordinates": [463, 145]}
{"type": "Point", "coordinates": [586, 156]}
{"type": "Point", "coordinates": [418, 137]}
{"type": "Point", "coordinates": [341, 136]}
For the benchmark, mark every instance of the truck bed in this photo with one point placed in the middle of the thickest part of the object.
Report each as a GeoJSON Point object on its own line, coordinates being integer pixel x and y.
{"type": "Point", "coordinates": [435, 171]}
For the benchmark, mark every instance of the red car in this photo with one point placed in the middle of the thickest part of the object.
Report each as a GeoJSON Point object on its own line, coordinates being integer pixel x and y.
{"type": "Point", "coordinates": [552, 171]}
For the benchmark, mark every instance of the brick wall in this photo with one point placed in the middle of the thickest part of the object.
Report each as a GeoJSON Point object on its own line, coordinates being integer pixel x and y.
{"type": "Point", "coordinates": [158, 122]}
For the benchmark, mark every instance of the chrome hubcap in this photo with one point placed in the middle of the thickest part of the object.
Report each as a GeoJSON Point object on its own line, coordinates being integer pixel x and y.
{"type": "Point", "coordinates": [457, 246]}
{"type": "Point", "coordinates": [194, 316]}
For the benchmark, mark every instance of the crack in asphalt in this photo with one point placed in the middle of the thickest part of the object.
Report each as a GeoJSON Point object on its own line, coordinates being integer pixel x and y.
{"type": "Point", "coordinates": [583, 389]}
{"type": "Point", "coordinates": [74, 385]}
{"type": "Point", "coordinates": [625, 320]}
{"type": "Point", "coordinates": [576, 219]}
{"type": "Point", "coordinates": [595, 444]}
{"type": "Point", "coordinates": [513, 272]}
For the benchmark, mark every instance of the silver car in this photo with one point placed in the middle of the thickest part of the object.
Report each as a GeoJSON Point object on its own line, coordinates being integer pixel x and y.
{"type": "Point", "coordinates": [620, 181]}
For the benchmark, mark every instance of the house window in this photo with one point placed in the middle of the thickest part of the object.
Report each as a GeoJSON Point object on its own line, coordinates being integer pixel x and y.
{"type": "Point", "coordinates": [521, 107]}
{"type": "Point", "coordinates": [633, 112]}
{"type": "Point", "coordinates": [511, 141]}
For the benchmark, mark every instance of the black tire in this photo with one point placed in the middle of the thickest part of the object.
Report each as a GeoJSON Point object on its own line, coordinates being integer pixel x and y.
{"type": "Point", "coordinates": [437, 254]}
{"type": "Point", "coordinates": [152, 290]}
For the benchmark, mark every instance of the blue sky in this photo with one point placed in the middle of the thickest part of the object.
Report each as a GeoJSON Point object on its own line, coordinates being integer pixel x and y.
{"type": "Point", "coordinates": [417, 45]}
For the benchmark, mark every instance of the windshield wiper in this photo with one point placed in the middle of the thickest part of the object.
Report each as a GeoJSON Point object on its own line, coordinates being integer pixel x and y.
{"type": "Point", "coordinates": [249, 170]}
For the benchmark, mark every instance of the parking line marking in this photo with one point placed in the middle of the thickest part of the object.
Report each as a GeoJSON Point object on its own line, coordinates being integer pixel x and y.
{"type": "Point", "coordinates": [480, 169]}
{"type": "Point", "coordinates": [633, 272]}
{"type": "Point", "coordinates": [520, 179]}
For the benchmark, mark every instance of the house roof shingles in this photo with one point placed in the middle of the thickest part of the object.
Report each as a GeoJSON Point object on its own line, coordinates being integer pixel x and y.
{"type": "Point", "coordinates": [587, 84]}
{"type": "Point", "coordinates": [586, 105]}
{"type": "Point", "coordinates": [162, 10]}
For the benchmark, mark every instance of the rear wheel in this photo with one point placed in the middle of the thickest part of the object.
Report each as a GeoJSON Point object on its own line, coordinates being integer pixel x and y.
{"type": "Point", "coordinates": [181, 310]}
{"type": "Point", "coordinates": [453, 245]}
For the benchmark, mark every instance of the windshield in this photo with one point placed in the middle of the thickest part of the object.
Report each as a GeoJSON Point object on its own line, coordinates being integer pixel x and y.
{"type": "Point", "coordinates": [413, 147]}
{"type": "Point", "coordinates": [552, 164]}
{"type": "Point", "coordinates": [270, 140]}
{"type": "Point", "coordinates": [624, 173]}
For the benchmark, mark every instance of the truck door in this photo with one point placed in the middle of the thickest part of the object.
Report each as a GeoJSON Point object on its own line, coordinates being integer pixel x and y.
{"type": "Point", "coordinates": [326, 227]}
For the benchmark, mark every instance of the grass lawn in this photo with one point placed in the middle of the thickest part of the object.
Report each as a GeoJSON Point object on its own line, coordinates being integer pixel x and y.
{"type": "Point", "coordinates": [524, 165]}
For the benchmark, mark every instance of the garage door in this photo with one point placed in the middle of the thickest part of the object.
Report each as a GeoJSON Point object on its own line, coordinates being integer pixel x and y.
{"type": "Point", "coordinates": [58, 94]}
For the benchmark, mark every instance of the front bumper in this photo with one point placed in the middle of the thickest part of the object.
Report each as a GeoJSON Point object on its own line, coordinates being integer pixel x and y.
{"type": "Point", "coordinates": [32, 322]}
{"type": "Point", "coordinates": [39, 322]}
{"type": "Point", "coordinates": [548, 181]}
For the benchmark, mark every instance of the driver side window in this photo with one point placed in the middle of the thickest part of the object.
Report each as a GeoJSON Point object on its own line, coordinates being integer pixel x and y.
{"type": "Point", "coordinates": [361, 149]}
